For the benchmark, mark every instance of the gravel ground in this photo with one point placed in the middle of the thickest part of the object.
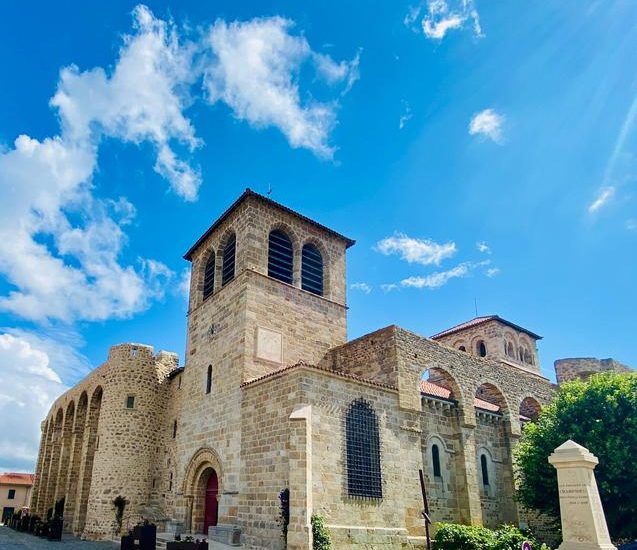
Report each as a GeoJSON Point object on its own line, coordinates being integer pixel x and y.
{"type": "Point", "coordinates": [13, 540]}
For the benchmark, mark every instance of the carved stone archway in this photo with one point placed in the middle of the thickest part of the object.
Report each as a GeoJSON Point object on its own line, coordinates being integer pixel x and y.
{"type": "Point", "coordinates": [194, 487]}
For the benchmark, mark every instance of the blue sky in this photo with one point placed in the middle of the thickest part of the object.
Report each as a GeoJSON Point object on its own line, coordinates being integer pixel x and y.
{"type": "Point", "coordinates": [479, 152]}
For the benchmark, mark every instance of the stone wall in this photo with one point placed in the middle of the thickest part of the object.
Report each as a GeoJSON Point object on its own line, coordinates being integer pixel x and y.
{"type": "Point", "coordinates": [502, 342]}
{"type": "Point", "coordinates": [95, 448]}
{"type": "Point", "coordinates": [582, 368]}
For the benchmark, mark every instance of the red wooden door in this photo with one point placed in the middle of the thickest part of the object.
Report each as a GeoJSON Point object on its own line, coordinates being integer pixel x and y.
{"type": "Point", "coordinates": [211, 510]}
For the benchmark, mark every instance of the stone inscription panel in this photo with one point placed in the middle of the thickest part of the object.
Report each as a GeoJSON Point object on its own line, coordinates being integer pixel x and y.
{"type": "Point", "coordinates": [269, 345]}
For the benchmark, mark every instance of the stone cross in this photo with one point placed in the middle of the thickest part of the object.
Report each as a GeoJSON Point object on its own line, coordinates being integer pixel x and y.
{"type": "Point", "coordinates": [583, 521]}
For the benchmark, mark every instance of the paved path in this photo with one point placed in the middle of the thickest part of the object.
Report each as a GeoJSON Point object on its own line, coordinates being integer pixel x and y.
{"type": "Point", "coordinates": [13, 540]}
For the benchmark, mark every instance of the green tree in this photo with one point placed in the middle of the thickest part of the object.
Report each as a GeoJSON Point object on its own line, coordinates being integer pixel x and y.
{"type": "Point", "coordinates": [601, 415]}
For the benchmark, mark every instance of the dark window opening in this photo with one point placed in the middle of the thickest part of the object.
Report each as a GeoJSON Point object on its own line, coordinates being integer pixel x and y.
{"type": "Point", "coordinates": [435, 459]}
{"type": "Point", "coordinates": [154, 480]}
{"type": "Point", "coordinates": [209, 276]}
{"type": "Point", "coordinates": [312, 270]}
{"type": "Point", "coordinates": [170, 482]}
{"type": "Point", "coordinates": [11, 494]}
{"type": "Point", "coordinates": [209, 379]}
{"type": "Point", "coordinates": [482, 349]}
{"type": "Point", "coordinates": [130, 402]}
{"type": "Point", "coordinates": [227, 272]}
{"type": "Point", "coordinates": [485, 470]}
{"type": "Point", "coordinates": [174, 429]}
{"type": "Point", "coordinates": [280, 256]}
{"type": "Point", "coordinates": [363, 451]}
{"type": "Point", "coordinates": [462, 348]}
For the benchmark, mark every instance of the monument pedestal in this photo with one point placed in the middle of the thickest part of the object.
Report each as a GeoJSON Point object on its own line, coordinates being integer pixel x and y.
{"type": "Point", "coordinates": [583, 521]}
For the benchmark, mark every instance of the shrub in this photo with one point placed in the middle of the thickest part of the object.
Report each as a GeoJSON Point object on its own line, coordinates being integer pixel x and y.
{"type": "Point", "coordinates": [320, 534]}
{"type": "Point", "coordinates": [451, 536]}
{"type": "Point", "coordinates": [601, 415]}
{"type": "Point", "coordinates": [284, 498]}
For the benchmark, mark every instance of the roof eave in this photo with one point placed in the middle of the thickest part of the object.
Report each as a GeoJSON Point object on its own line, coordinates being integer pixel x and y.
{"type": "Point", "coordinates": [249, 193]}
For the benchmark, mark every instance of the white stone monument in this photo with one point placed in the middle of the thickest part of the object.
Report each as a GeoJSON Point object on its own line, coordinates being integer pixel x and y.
{"type": "Point", "coordinates": [583, 521]}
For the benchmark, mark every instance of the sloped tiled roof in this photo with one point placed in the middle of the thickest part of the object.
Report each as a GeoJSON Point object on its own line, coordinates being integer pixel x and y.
{"type": "Point", "coordinates": [11, 478]}
{"type": "Point", "coordinates": [429, 388]}
{"type": "Point", "coordinates": [481, 320]}
{"type": "Point", "coordinates": [249, 193]}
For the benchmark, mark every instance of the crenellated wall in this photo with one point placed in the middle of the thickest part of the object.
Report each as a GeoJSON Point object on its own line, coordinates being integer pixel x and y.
{"type": "Point", "coordinates": [96, 448]}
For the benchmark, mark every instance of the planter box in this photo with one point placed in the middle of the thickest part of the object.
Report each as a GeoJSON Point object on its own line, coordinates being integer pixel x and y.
{"type": "Point", "coordinates": [128, 543]}
{"type": "Point", "coordinates": [55, 529]}
{"type": "Point", "coordinates": [180, 545]}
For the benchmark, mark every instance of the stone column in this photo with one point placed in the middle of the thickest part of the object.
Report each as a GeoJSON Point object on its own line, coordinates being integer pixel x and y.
{"type": "Point", "coordinates": [300, 462]}
{"type": "Point", "coordinates": [583, 522]}
{"type": "Point", "coordinates": [39, 469]}
{"type": "Point", "coordinates": [467, 484]}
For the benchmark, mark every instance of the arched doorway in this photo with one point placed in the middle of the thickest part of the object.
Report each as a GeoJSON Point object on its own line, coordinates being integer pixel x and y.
{"type": "Point", "coordinates": [211, 505]}
{"type": "Point", "coordinates": [202, 486]}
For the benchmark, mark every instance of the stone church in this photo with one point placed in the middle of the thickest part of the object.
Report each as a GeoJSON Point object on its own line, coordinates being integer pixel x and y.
{"type": "Point", "coordinates": [272, 396]}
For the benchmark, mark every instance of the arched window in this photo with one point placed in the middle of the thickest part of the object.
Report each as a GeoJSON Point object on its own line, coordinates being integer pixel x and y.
{"type": "Point", "coordinates": [209, 379]}
{"type": "Point", "coordinates": [312, 270]}
{"type": "Point", "coordinates": [481, 348]}
{"type": "Point", "coordinates": [462, 348]}
{"type": "Point", "coordinates": [435, 460]}
{"type": "Point", "coordinates": [509, 350]}
{"type": "Point", "coordinates": [227, 271]}
{"type": "Point", "coordinates": [485, 470]}
{"type": "Point", "coordinates": [363, 451]}
{"type": "Point", "coordinates": [209, 276]}
{"type": "Point", "coordinates": [280, 256]}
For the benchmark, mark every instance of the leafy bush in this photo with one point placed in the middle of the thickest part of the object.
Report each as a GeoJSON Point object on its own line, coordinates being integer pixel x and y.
{"type": "Point", "coordinates": [451, 536]}
{"type": "Point", "coordinates": [601, 415]}
{"type": "Point", "coordinates": [320, 534]}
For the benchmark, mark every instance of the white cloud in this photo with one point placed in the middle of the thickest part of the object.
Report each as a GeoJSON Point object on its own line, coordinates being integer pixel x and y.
{"type": "Point", "coordinates": [441, 16]}
{"type": "Point", "coordinates": [28, 387]}
{"type": "Point", "coordinates": [61, 246]}
{"type": "Point", "coordinates": [441, 278]}
{"type": "Point", "coordinates": [436, 280]}
{"type": "Point", "coordinates": [388, 287]}
{"type": "Point", "coordinates": [605, 194]}
{"type": "Point", "coordinates": [492, 272]}
{"type": "Point", "coordinates": [621, 167]}
{"type": "Point", "coordinates": [420, 251]}
{"type": "Point", "coordinates": [255, 71]}
{"type": "Point", "coordinates": [363, 287]}
{"type": "Point", "coordinates": [183, 287]}
{"type": "Point", "coordinates": [631, 224]}
{"type": "Point", "coordinates": [483, 247]}
{"type": "Point", "coordinates": [488, 123]}
{"type": "Point", "coordinates": [406, 116]}
{"type": "Point", "coordinates": [142, 100]}
{"type": "Point", "coordinates": [59, 269]}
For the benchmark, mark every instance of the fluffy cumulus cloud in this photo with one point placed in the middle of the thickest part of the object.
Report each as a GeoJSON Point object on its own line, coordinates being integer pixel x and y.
{"type": "Point", "coordinates": [412, 250]}
{"type": "Point", "coordinates": [28, 387]}
{"type": "Point", "coordinates": [71, 270]}
{"type": "Point", "coordinates": [436, 18]}
{"type": "Point", "coordinates": [254, 69]}
{"type": "Point", "coordinates": [488, 123]}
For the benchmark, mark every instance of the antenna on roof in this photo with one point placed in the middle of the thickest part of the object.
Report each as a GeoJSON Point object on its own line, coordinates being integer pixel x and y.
{"type": "Point", "coordinates": [475, 303]}
{"type": "Point", "coordinates": [269, 190]}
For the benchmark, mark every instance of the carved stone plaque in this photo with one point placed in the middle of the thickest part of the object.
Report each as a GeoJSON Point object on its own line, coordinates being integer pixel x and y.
{"type": "Point", "coordinates": [269, 345]}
